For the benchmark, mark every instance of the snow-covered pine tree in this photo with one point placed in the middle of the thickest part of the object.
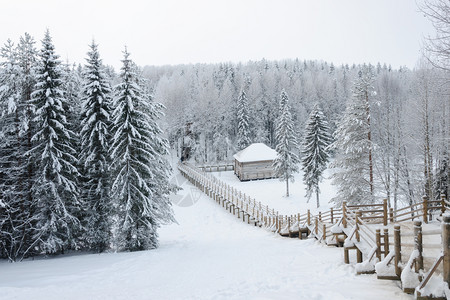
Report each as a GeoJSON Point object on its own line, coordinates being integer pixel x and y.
{"type": "Point", "coordinates": [286, 163]}
{"type": "Point", "coordinates": [94, 158]}
{"type": "Point", "coordinates": [243, 134]}
{"type": "Point", "coordinates": [16, 225]}
{"type": "Point", "coordinates": [160, 184]}
{"type": "Point", "coordinates": [140, 173]}
{"type": "Point", "coordinates": [55, 188]}
{"type": "Point", "coordinates": [27, 59]}
{"type": "Point", "coordinates": [11, 220]}
{"type": "Point", "coordinates": [315, 151]}
{"type": "Point", "coordinates": [353, 161]}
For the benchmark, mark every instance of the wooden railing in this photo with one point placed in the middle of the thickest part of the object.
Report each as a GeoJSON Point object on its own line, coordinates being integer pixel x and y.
{"type": "Point", "coordinates": [236, 202]}
{"type": "Point", "coordinates": [217, 168]}
{"type": "Point", "coordinates": [387, 243]}
{"type": "Point", "coordinates": [360, 216]}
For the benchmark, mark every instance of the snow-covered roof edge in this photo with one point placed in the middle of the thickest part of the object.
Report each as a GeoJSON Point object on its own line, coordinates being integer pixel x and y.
{"type": "Point", "coordinates": [256, 152]}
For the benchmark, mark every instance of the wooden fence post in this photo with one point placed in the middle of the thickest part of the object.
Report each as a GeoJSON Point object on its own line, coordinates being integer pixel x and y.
{"type": "Point", "coordinates": [320, 216]}
{"type": "Point", "coordinates": [378, 240]}
{"type": "Point", "coordinates": [289, 226]}
{"type": "Point", "coordinates": [316, 225]}
{"type": "Point", "coordinates": [344, 214]}
{"type": "Point", "coordinates": [446, 246]}
{"type": "Point", "coordinates": [357, 221]}
{"type": "Point", "coordinates": [386, 242]}
{"type": "Point", "coordinates": [309, 218]}
{"type": "Point", "coordinates": [331, 212]}
{"type": "Point", "coordinates": [385, 212]}
{"type": "Point", "coordinates": [391, 215]}
{"type": "Point", "coordinates": [397, 249]}
{"type": "Point", "coordinates": [418, 244]}
{"type": "Point", "coordinates": [443, 203]}
{"type": "Point", "coordinates": [425, 209]}
{"type": "Point", "coordinates": [324, 234]}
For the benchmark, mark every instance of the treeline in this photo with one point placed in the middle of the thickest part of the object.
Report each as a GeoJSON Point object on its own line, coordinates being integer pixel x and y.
{"type": "Point", "coordinates": [82, 163]}
{"type": "Point", "coordinates": [397, 148]}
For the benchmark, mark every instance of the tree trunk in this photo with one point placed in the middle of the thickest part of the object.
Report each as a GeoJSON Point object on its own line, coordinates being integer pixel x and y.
{"type": "Point", "coordinates": [369, 137]}
{"type": "Point", "coordinates": [388, 156]}
{"type": "Point", "coordinates": [287, 186]}
{"type": "Point", "coordinates": [317, 199]}
{"type": "Point", "coordinates": [427, 152]}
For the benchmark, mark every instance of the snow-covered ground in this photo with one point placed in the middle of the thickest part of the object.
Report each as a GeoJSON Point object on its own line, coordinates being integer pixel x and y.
{"type": "Point", "coordinates": [209, 255]}
{"type": "Point", "coordinates": [272, 192]}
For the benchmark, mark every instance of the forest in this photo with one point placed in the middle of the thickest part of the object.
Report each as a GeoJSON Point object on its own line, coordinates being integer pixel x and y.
{"type": "Point", "coordinates": [85, 149]}
{"type": "Point", "coordinates": [82, 159]}
{"type": "Point", "coordinates": [406, 112]}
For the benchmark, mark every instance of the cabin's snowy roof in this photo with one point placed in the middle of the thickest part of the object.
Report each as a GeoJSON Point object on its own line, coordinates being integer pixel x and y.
{"type": "Point", "coordinates": [256, 152]}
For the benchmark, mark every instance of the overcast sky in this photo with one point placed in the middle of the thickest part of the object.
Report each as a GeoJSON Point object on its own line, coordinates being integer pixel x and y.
{"type": "Point", "coordinates": [192, 31]}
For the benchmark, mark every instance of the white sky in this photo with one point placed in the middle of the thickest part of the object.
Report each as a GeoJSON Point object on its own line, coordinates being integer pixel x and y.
{"type": "Point", "coordinates": [175, 31]}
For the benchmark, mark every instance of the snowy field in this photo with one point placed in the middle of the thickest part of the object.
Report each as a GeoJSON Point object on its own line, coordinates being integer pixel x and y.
{"type": "Point", "coordinates": [272, 192]}
{"type": "Point", "coordinates": [209, 255]}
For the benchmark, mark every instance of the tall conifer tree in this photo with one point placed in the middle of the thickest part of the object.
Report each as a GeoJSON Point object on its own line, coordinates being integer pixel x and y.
{"type": "Point", "coordinates": [315, 151]}
{"type": "Point", "coordinates": [94, 158]}
{"type": "Point", "coordinates": [243, 134]}
{"type": "Point", "coordinates": [55, 188]}
{"type": "Point", "coordinates": [16, 220]}
{"type": "Point", "coordinates": [137, 154]}
{"type": "Point", "coordinates": [286, 163]}
{"type": "Point", "coordinates": [11, 218]}
{"type": "Point", "coordinates": [354, 176]}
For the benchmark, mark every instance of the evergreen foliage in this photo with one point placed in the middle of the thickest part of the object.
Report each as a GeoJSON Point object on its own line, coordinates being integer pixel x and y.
{"type": "Point", "coordinates": [315, 151]}
{"type": "Point", "coordinates": [354, 146]}
{"type": "Point", "coordinates": [243, 134]}
{"type": "Point", "coordinates": [94, 158]}
{"type": "Point", "coordinates": [139, 188]}
{"type": "Point", "coordinates": [55, 188]}
{"type": "Point", "coordinates": [43, 198]}
{"type": "Point", "coordinates": [10, 154]}
{"type": "Point", "coordinates": [286, 163]}
{"type": "Point", "coordinates": [16, 222]}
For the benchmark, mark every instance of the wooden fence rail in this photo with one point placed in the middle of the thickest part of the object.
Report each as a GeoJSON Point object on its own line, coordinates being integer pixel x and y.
{"type": "Point", "coordinates": [217, 168]}
{"type": "Point", "coordinates": [356, 222]}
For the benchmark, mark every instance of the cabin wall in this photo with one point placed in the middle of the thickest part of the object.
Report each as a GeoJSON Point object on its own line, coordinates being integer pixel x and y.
{"type": "Point", "coordinates": [254, 170]}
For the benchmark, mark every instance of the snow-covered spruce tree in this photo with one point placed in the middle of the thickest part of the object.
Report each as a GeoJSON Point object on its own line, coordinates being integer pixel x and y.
{"type": "Point", "coordinates": [10, 193]}
{"type": "Point", "coordinates": [55, 188]}
{"type": "Point", "coordinates": [95, 141]}
{"type": "Point", "coordinates": [16, 216]}
{"type": "Point", "coordinates": [159, 185]}
{"type": "Point", "coordinates": [286, 163]}
{"type": "Point", "coordinates": [140, 184]}
{"type": "Point", "coordinates": [354, 175]}
{"type": "Point", "coordinates": [27, 59]}
{"type": "Point", "coordinates": [243, 134]}
{"type": "Point", "coordinates": [315, 151]}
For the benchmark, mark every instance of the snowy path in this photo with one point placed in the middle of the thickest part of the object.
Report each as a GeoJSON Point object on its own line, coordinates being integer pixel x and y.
{"type": "Point", "coordinates": [210, 255]}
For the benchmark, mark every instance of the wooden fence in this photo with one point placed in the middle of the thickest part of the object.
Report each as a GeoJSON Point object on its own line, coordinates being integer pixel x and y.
{"type": "Point", "coordinates": [352, 226]}
{"type": "Point", "coordinates": [217, 168]}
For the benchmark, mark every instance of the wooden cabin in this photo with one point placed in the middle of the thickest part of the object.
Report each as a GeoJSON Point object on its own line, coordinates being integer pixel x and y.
{"type": "Point", "coordinates": [255, 162]}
